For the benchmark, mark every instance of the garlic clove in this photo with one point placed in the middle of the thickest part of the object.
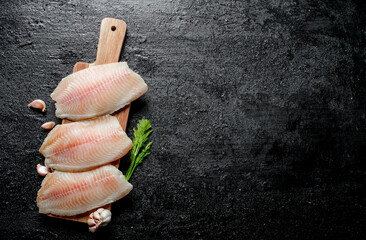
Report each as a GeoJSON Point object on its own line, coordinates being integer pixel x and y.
{"type": "Point", "coordinates": [100, 210]}
{"type": "Point", "coordinates": [48, 125]}
{"type": "Point", "coordinates": [106, 221]}
{"type": "Point", "coordinates": [94, 228]}
{"type": "Point", "coordinates": [42, 170]}
{"type": "Point", "coordinates": [105, 214]}
{"type": "Point", "coordinates": [39, 104]}
{"type": "Point", "coordinates": [96, 216]}
{"type": "Point", "coordinates": [91, 222]}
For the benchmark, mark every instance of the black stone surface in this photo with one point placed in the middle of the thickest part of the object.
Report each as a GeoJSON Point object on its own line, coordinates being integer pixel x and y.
{"type": "Point", "coordinates": [258, 111]}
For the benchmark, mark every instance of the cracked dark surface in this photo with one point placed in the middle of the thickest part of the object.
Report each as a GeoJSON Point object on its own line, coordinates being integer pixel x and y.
{"type": "Point", "coordinates": [258, 111]}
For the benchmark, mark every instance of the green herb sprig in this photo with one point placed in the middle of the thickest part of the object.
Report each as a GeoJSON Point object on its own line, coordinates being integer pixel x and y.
{"type": "Point", "coordinates": [141, 135]}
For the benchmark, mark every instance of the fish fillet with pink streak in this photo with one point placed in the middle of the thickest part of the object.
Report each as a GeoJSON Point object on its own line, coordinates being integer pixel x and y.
{"type": "Point", "coordinates": [80, 146]}
{"type": "Point", "coordinates": [68, 194]}
{"type": "Point", "coordinates": [97, 90]}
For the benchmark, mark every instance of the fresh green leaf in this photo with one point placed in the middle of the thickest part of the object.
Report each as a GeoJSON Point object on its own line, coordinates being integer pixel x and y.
{"type": "Point", "coordinates": [141, 135]}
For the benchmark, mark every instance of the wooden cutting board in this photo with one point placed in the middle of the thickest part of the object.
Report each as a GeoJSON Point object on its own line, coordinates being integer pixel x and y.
{"type": "Point", "coordinates": [112, 35]}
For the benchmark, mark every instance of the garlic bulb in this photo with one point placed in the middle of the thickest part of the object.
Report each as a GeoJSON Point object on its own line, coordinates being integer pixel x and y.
{"type": "Point", "coordinates": [42, 170]}
{"type": "Point", "coordinates": [99, 218]}
{"type": "Point", "coordinates": [39, 104]}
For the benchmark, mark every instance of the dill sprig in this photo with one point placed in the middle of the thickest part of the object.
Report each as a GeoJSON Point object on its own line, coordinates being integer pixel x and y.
{"type": "Point", "coordinates": [141, 135]}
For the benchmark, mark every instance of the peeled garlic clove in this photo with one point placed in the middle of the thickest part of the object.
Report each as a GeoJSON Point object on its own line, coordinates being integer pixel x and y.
{"type": "Point", "coordinates": [39, 104]}
{"type": "Point", "coordinates": [91, 222]}
{"type": "Point", "coordinates": [42, 170]}
{"type": "Point", "coordinates": [48, 125]}
{"type": "Point", "coordinates": [94, 228]}
{"type": "Point", "coordinates": [99, 218]}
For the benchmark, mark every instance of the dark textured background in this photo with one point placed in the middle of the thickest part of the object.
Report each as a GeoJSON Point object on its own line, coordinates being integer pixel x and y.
{"type": "Point", "coordinates": [258, 111]}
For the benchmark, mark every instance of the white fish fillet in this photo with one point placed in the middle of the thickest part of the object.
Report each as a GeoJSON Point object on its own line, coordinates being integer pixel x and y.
{"type": "Point", "coordinates": [97, 91]}
{"type": "Point", "coordinates": [68, 194]}
{"type": "Point", "coordinates": [80, 146]}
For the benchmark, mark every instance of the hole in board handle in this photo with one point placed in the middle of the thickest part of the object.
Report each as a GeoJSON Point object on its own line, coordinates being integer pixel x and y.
{"type": "Point", "coordinates": [113, 28]}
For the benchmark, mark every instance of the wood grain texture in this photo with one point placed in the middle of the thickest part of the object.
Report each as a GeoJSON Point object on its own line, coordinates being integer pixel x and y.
{"type": "Point", "coordinates": [112, 34]}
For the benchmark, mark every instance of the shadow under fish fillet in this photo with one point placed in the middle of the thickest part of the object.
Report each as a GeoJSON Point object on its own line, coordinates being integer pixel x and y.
{"type": "Point", "coordinates": [97, 90]}
{"type": "Point", "coordinates": [68, 194]}
{"type": "Point", "coordinates": [80, 146]}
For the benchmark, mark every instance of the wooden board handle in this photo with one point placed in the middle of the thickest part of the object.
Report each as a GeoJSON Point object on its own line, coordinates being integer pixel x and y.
{"type": "Point", "coordinates": [112, 34]}
{"type": "Point", "coordinates": [111, 37]}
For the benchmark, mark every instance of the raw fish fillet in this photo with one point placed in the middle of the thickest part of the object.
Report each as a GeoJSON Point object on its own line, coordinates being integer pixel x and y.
{"type": "Point", "coordinates": [68, 194]}
{"type": "Point", "coordinates": [80, 146]}
{"type": "Point", "coordinates": [97, 91]}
